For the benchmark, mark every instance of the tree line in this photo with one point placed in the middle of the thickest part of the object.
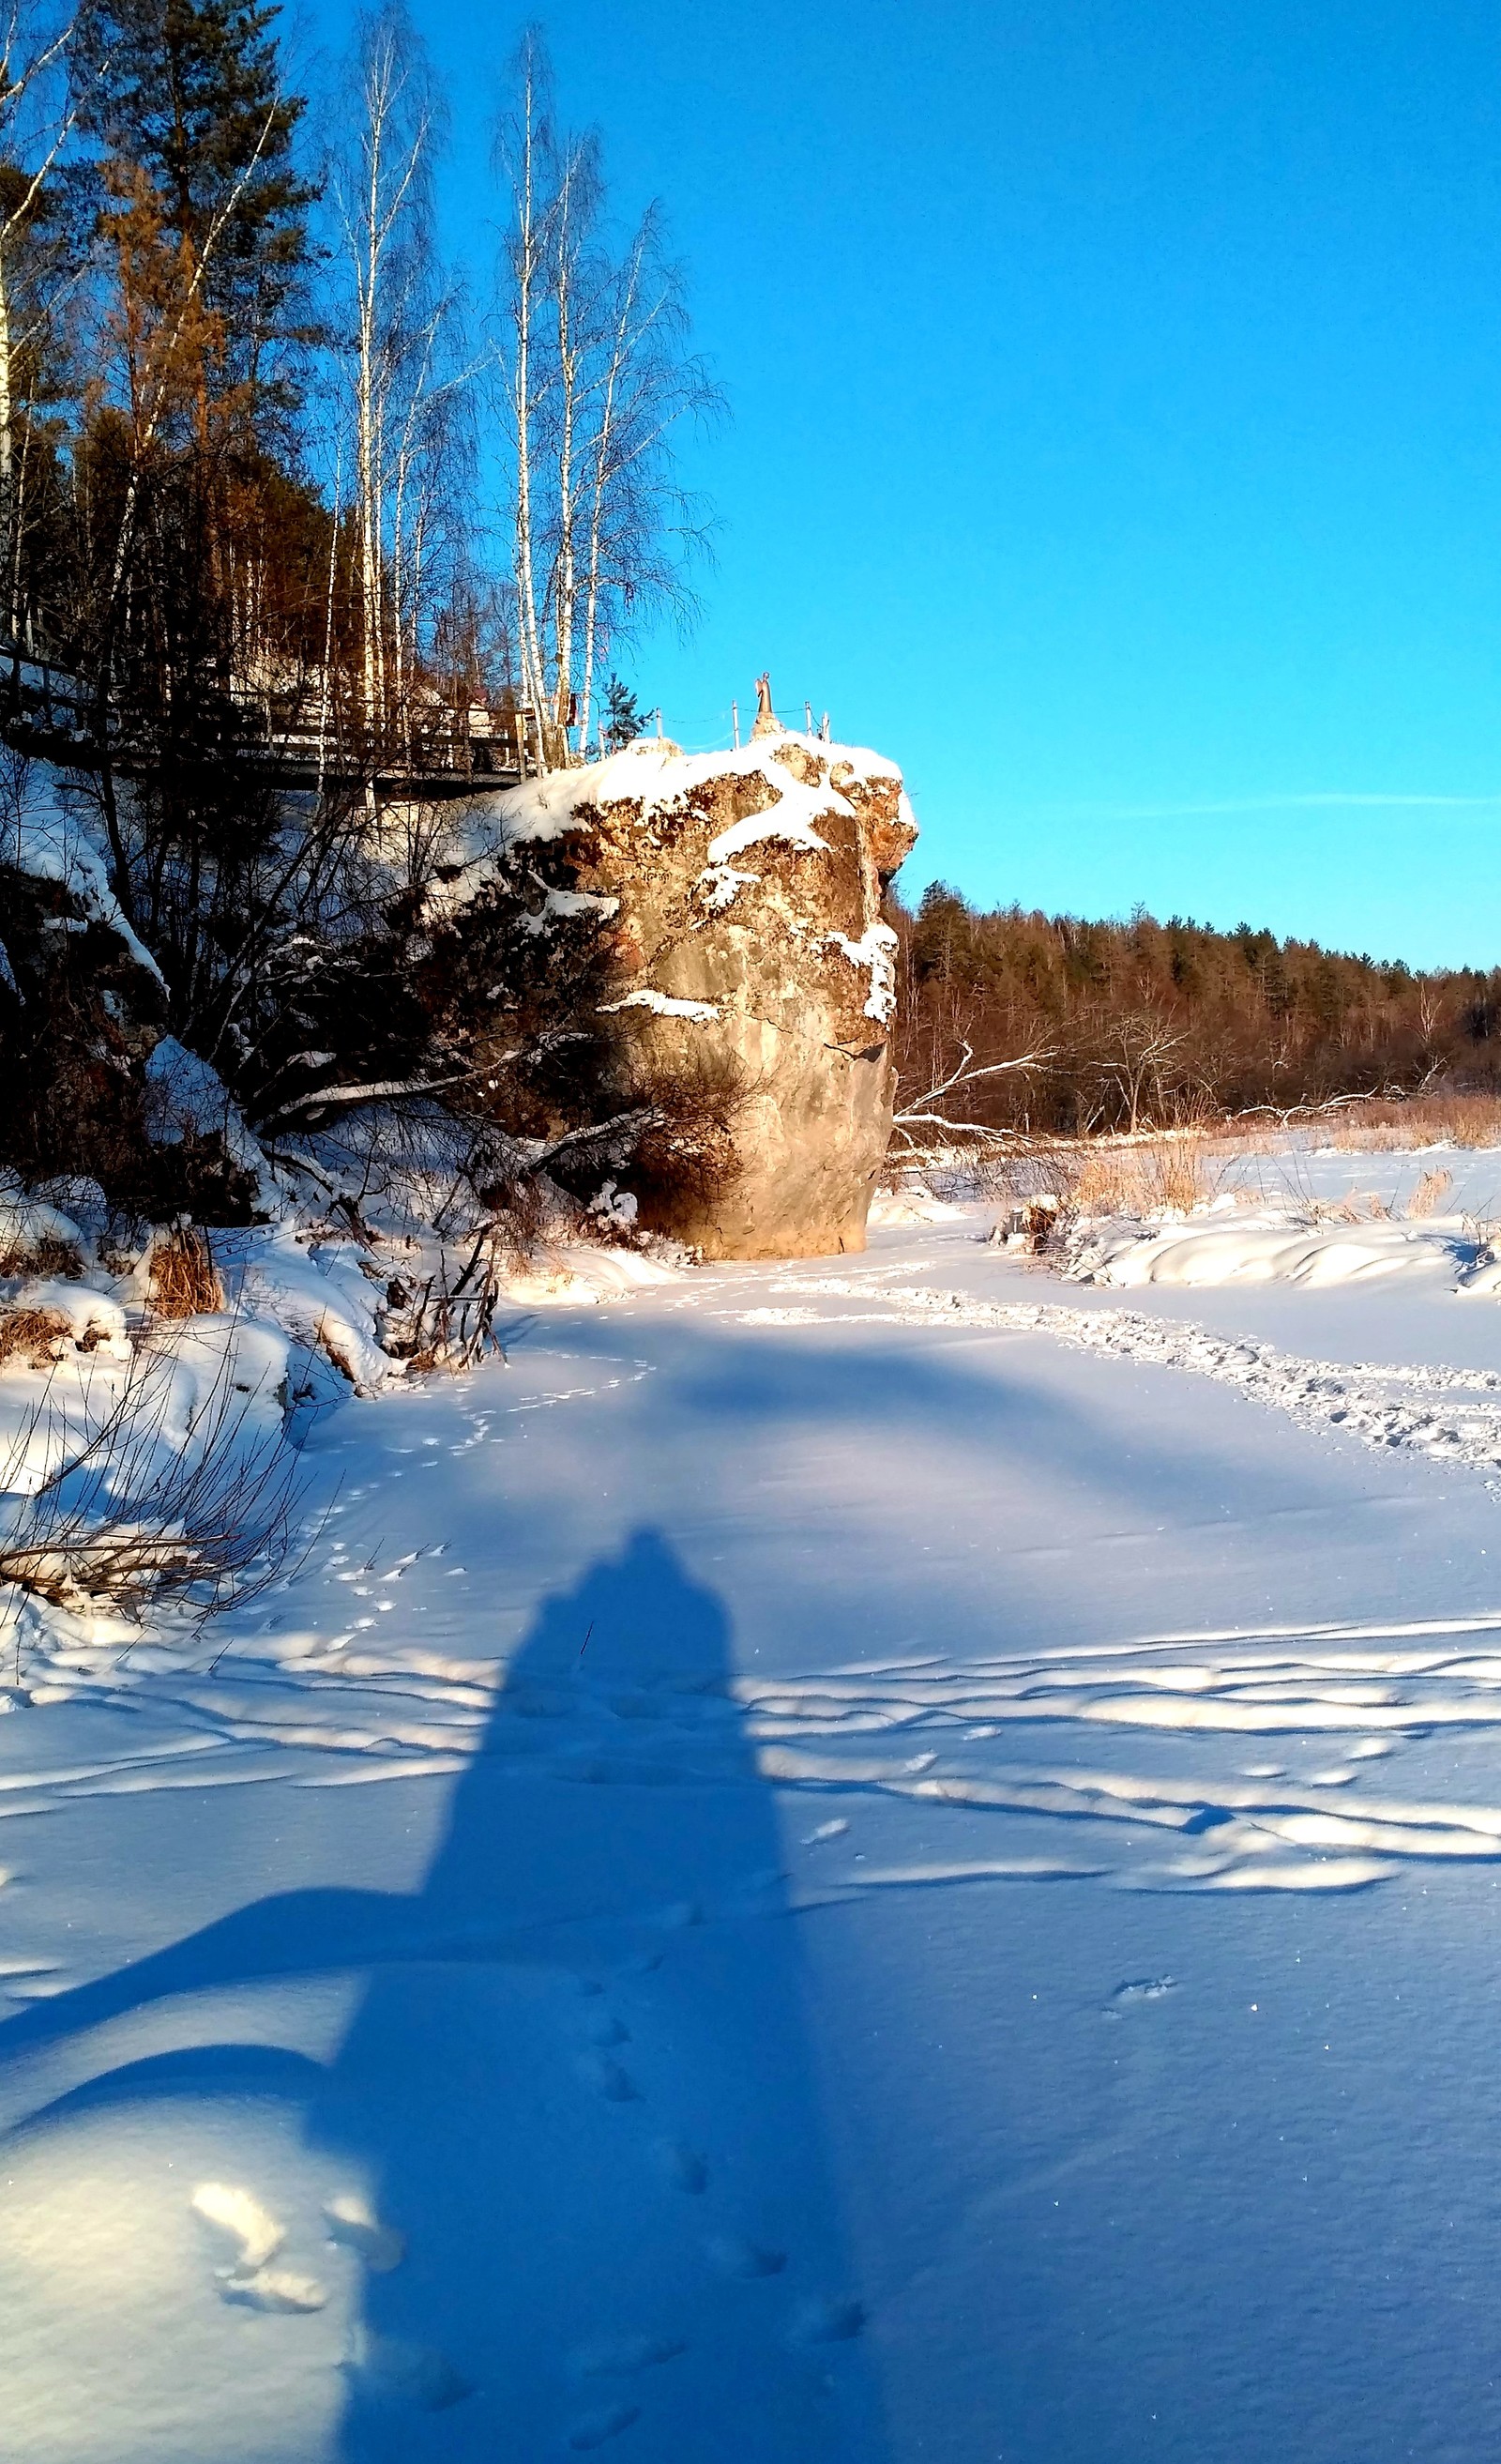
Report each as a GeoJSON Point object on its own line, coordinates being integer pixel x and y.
{"type": "Point", "coordinates": [1053, 1024]}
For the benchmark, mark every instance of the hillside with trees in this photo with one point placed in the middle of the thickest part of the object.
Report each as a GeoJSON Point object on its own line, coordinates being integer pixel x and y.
{"type": "Point", "coordinates": [1071, 1026]}
{"type": "Point", "coordinates": [257, 615]}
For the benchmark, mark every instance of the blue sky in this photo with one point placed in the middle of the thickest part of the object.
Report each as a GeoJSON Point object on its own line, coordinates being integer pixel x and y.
{"type": "Point", "coordinates": [1117, 434]}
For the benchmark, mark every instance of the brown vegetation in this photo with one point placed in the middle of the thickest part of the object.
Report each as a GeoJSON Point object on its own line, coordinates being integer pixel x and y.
{"type": "Point", "coordinates": [185, 1280]}
{"type": "Point", "coordinates": [44, 1256]}
{"type": "Point", "coordinates": [33, 1336]}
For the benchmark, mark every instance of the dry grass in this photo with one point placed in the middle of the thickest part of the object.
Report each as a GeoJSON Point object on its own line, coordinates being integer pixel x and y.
{"type": "Point", "coordinates": [1387, 1127]}
{"type": "Point", "coordinates": [1430, 1193]}
{"type": "Point", "coordinates": [185, 1282]}
{"type": "Point", "coordinates": [48, 1257]}
{"type": "Point", "coordinates": [33, 1336]}
{"type": "Point", "coordinates": [1155, 1176]}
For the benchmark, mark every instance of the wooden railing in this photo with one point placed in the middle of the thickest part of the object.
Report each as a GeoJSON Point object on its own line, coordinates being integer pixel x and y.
{"type": "Point", "coordinates": [305, 736]}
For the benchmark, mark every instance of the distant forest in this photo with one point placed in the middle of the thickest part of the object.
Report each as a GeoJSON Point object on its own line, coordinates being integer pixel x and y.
{"type": "Point", "coordinates": [1074, 1026]}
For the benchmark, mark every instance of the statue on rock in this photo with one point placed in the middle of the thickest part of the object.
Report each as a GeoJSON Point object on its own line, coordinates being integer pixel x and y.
{"type": "Point", "coordinates": [766, 722]}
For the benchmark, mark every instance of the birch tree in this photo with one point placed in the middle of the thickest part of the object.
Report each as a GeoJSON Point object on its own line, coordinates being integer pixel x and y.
{"type": "Point", "coordinates": [597, 378]}
{"type": "Point", "coordinates": [406, 357]}
{"type": "Point", "coordinates": [37, 118]}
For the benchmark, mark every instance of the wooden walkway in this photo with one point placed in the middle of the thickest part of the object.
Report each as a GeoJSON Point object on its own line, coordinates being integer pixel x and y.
{"type": "Point", "coordinates": [452, 752]}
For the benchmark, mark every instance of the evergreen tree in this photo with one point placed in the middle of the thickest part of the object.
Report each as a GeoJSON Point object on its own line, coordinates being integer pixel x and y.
{"type": "Point", "coordinates": [623, 720]}
{"type": "Point", "coordinates": [184, 99]}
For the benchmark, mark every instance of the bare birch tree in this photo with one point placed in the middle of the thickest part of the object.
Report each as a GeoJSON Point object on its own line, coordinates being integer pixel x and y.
{"type": "Point", "coordinates": [595, 379]}
{"type": "Point", "coordinates": [37, 118]}
{"type": "Point", "coordinates": [407, 374]}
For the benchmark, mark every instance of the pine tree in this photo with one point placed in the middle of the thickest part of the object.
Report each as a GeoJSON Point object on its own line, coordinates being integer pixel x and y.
{"type": "Point", "coordinates": [186, 102]}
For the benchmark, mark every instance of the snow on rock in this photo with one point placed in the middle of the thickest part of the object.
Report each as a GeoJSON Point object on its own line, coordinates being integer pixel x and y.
{"type": "Point", "coordinates": [50, 839]}
{"type": "Point", "coordinates": [661, 1004]}
{"type": "Point", "coordinates": [28, 1220]}
{"type": "Point", "coordinates": [776, 981]}
{"type": "Point", "coordinates": [186, 1099]}
{"type": "Point", "coordinates": [100, 1090]}
{"type": "Point", "coordinates": [567, 904]}
{"type": "Point", "coordinates": [875, 953]}
{"type": "Point", "coordinates": [718, 885]}
{"type": "Point", "coordinates": [320, 1295]}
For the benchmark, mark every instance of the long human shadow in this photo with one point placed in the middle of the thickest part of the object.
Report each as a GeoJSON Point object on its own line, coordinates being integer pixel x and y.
{"type": "Point", "coordinates": [580, 2084]}
{"type": "Point", "coordinates": [604, 2145]}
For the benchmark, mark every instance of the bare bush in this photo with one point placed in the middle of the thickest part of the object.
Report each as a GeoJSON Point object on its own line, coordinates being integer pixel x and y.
{"type": "Point", "coordinates": [1458, 1120]}
{"type": "Point", "coordinates": [46, 1256]}
{"type": "Point", "coordinates": [447, 1321]}
{"type": "Point", "coordinates": [1153, 1176]}
{"type": "Point", "coordinates": [127, 1518]}
{"type": "Point", "coordinates": [1430, 1193]}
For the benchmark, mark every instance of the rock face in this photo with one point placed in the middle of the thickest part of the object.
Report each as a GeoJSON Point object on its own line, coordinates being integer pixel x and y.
{"type": "Point", "coordinates": [740, 894]}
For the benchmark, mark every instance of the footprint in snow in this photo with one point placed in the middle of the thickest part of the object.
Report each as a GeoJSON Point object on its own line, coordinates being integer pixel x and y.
{"type": "Point", "coordinates": [622, 2356]}
{"type": "Point", "coordinates": [733, 2256]}
{"type": "Point", "coordinates": [240, 2223]}
{"type": "Point", "coordinates": [829, 2318]}
{"type": "Point", "coordinates": [275, 2288]}
{"type": "Point", "coordinates": [239, 2220]}
{"type": "Point", "coordinates": [392, 2369]}
{"type": "Point", "coordinates": [607, 2029]}
{"type": "Point", "coordinates": [684, 2167]}
{"type": "Point", "coordinates": [1138, 1989]}
{"type": "Point", "coordinates": [607, 2079]}
{"type": "Point", "coordinates": [352, 2222]}
{"type": "Point", "coordinates": [596, 2427]}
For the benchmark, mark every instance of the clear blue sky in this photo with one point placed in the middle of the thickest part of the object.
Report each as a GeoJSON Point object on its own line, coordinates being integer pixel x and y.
{"type": "Point", "coordinates": [1117, 435]}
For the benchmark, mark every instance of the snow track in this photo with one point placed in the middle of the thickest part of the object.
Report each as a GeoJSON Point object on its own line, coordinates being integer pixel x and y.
{"type": "Point", "coordinates": [1348, 1694]}
{"type": "Point", "coordinates": [1451, 1415]}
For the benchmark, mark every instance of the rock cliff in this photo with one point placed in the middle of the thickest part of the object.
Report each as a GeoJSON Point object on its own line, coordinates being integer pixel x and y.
{"type": "Point", "coordinates": [740, 904]}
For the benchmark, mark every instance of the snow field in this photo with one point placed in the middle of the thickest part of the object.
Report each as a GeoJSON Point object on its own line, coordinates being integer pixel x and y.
{"type": "Point", "coordinates": [881, 1860]}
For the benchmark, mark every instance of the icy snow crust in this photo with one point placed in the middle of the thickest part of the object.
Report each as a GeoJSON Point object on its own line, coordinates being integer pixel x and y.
{"type": "Point", "coordinates": [884, 1861]}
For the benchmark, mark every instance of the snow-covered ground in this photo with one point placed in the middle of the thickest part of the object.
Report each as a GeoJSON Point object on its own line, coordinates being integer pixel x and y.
{"type": "Point", "coordinates": [891, 1858]}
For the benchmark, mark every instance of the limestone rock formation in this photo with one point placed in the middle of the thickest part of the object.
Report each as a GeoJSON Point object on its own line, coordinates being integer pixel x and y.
{"type": "Point", "coordinates": [741, 898]}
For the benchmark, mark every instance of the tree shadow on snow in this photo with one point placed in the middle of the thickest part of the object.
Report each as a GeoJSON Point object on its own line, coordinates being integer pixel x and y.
{"type": "Point", "coordinates": [578, 2095]}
